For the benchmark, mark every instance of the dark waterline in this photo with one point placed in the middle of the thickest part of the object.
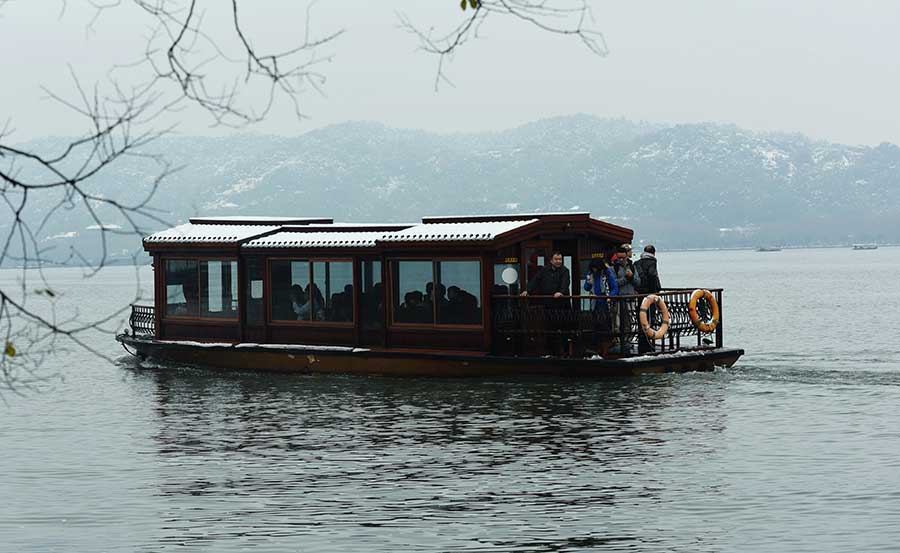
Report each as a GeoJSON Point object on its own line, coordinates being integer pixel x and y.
{"type": "Point", "coordinates": [797, 448]}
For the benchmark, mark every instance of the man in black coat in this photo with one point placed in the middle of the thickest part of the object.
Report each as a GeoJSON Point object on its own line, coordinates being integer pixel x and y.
{"type": "Point", "coordinates": [552, 279]}
{"type": "Point", "coordinates": [646, 269]}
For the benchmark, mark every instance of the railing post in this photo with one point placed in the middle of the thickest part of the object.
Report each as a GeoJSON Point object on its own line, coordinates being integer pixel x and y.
{"type": "Point", "coordinates": [719, 334]}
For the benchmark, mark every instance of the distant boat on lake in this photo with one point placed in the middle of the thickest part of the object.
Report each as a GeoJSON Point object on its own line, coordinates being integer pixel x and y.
{"type": "Point", "coordinates": [768, 249]}
{"type": "Point", "coordinates": [865, 246]}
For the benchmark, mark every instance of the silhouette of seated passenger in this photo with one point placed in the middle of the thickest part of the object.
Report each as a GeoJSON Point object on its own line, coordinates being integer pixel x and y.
{"type": "Point", "coordinates": [414, 309]}
{"type": "Point", "coordinates": [462, 307]}
{"type": "Point", "coordinates": [342, 305]}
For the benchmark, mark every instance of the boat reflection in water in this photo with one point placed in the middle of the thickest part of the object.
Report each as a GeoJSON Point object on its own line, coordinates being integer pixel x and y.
{"type": "Point", "coordinates": [342, 463]}
{"type": "Point", "coordinates": [438, 298]}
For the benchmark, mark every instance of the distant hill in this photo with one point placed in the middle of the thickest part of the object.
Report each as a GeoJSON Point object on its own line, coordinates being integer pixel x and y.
{"type": "Point", "coordinates": [698, 185]}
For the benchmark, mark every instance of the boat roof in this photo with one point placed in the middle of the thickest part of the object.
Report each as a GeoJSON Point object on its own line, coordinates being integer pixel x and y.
{"type": "Point", "coordinates": [480, 231]}
{"type": "Point", "coordinates": [506, 217]}
{"type": "Point", "coordinates": [259, 220]}
{"type": "Point", "coordinates": [333, 239]}
{"type": "Point", "coordinates": [307, 232]}
{"type": "Point", "coordinates": [192, 233]}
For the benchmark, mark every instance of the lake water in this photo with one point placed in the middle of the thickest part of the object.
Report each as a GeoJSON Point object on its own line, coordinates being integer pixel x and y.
{"type": "Point", "coordinates": [796, 448]}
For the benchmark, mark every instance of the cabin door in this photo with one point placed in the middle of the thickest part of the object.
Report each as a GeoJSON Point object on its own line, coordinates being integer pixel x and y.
{"type": "Point", "coordinates": [534, 256]}
{"type": "Point", "coordinates": [371, 303]}
{"type": "Point", "coordinates": [569, 251]}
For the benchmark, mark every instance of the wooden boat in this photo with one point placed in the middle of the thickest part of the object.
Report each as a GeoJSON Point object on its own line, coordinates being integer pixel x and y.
{"type": "Point", "coordinates": [436, 298]}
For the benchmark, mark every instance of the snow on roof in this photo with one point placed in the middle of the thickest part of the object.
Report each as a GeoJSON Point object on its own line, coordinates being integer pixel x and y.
{"type": "Point", "coordinates": [502, 216]}
{"type": "Point", "coordinates": [191, 233]}
{"type": "Point", "coordinates": [258, 220]}
{"type": "Point", "coordinates": [453, 232]}
{"type": "Point", "coordinates": [288, 239]}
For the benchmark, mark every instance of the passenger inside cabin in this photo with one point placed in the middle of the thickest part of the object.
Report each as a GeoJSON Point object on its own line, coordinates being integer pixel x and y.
{"type": "Point", "coordinates": [298, 298]}
{"type": "Point", "coordinates": [462, 307]}
{"type": "Point", "coordinates": [342, 305]}
{"type": "Point", "coordinates": [435, 295]}
{"type": "Point", "coordinates": [374, 303]}
{"type": "Point", "coordinates": [314, 307]}
{"type": "Point", "coordinates": [191, 293]}
{"type": "Point", "coordinates": [414, 309]}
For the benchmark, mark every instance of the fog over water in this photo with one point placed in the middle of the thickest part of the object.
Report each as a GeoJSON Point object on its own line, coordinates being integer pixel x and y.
{"type": "Point", "coordinates": [793, 449]}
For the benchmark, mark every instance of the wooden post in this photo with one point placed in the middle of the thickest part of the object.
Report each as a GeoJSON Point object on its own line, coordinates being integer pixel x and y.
{"type": "Point", "coordinates": [243, 291]}
{"type": "Point", "coordinates": [487, 294]}
{"type": "Point", "coordinates": [159, 295]}
{"type": "Point", "coordinates": [357, 295]}
{"type": "Point", "coordinates": [719, 334]}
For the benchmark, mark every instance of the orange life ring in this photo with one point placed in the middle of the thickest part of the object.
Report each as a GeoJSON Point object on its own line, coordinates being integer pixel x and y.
{"type": "Point", "coordinates": [711, 324]}
{"type": "Point", "coordinates": [659, 333]}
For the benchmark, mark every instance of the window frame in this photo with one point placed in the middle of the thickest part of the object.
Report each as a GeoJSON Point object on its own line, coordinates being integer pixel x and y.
{"type": "Point", "coordinates": [200, 288]}
{"type": "Point", "coordinates": [392, 276]}
{"type": "Point", "coordinates": [310, 260]}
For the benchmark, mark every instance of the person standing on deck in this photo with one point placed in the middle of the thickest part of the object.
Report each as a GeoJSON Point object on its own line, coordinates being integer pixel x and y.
{"type": "Point", "coordinates": [645, 268]}
{"type": "Point", "coordinates": [626, 277]}
{"type": "Point", "coordinates": [552, 280]}
{"type": "Point", "coordinates": [625, 309]}
{"type": "Point", "coordinates": [601, 281]}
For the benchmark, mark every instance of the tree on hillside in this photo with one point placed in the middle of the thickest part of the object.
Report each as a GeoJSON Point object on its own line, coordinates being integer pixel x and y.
{"type": "Point", "coordinates": [191, 60]}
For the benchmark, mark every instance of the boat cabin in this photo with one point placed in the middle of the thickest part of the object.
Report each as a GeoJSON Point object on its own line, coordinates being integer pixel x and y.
{"type": "Point", "coordinates": [445, 284]}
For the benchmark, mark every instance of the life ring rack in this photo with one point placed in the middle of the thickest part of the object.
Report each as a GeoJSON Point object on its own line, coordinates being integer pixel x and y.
{"type": "Point", "coordinates": [643, 319]}
{"type": "Point", "coordinates": [704, 325]}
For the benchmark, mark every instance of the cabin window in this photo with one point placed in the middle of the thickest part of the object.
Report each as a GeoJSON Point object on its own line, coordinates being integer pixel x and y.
{"type": "Point", "coordinates": [334, 280]}
{"type": "Point", "coordinates": [457, 296]}
{"type": "Point", "coordinates": [182, 288]}
{"type": "Point", "coordinates": [204, 288]}
{"type": "Point", "coordinates": [506, 279]}
{"type": "Point", "coordinates": [255, 274]}
{"type": "Point", "coordinates": [312, 290]}
{"type": "Point", "coordinates": [290, 290]}
{"type": "Point", "coordinates": [218, 289]}
{"type": "Point", "coordinates": [437, 292]}
{"type": "Point", "coordinates": [412, 280]}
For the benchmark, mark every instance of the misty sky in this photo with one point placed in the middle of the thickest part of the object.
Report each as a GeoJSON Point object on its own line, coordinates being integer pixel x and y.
{"type": "Point", "coordinates": [826, 68]}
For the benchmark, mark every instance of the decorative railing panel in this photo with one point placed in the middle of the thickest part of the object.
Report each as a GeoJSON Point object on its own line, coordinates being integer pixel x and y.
{"type": "Point", "coordinates": [142, 320]}
{"type": "Point", "coordinates": [576, 325]}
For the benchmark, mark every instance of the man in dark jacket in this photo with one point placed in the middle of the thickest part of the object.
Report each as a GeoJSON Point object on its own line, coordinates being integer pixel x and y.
{"type": "Point", "coordinates": [552, 279]}
{"type": "Point", "coordinates": [645, 267]}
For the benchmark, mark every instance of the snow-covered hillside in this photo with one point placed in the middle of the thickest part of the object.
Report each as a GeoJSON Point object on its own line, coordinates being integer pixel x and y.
{"type": "Point", "coordinates": [702, 185]}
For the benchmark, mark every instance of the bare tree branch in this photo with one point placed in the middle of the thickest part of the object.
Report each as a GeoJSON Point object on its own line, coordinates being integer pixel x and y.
{"type": "Point", "coordinates": [570, 18]}
{"type": "Point", "coordinates": [184, 64]}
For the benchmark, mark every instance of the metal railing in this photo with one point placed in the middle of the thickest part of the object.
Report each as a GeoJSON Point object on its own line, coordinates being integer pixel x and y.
{"type": "Point", "coordinates": [142, 320]}
{"type": "Point", "coordinates": [583, 325]}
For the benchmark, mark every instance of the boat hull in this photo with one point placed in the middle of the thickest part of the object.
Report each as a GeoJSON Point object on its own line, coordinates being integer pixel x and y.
{"type": "Point", "coordinates": [315, 359]}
